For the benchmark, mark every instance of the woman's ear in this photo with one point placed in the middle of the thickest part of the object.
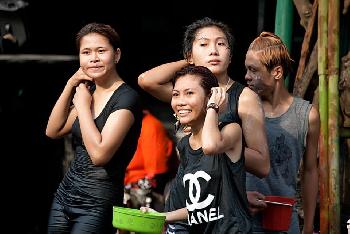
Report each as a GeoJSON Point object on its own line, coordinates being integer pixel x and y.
{"type": "Point", "coordinates": [117, 55]}
{"type": "Point", "coordinates": [189, 58]}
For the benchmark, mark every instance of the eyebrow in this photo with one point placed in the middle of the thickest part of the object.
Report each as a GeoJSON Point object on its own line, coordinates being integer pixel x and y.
{"type": "Point", "coordinates": [205, 38]}
{"type": "Point", "coordinates": [94, 48]}
{"type": "Point", "coordinates": [183, 90]}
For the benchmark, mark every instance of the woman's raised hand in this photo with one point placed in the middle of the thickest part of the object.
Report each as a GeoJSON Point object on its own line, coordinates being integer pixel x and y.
{"type": "Point", "coordinates": [79, 77]}
{"type": "Point", "coordinates": [219, 97]}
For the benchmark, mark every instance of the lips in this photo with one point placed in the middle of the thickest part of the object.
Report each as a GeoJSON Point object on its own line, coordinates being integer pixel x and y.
{"type": "Point", "coordinates": [184, 112]}
{"type": "Point", "coordinates": [95, 68]}
{"type": "Point", "coordinates": [214, 62]}
{"type": "Point", "coordinates": [250, 85]}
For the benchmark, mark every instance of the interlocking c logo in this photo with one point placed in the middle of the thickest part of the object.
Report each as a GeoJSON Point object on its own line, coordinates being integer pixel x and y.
{"type": "Point", "coordinates": [193, 180]}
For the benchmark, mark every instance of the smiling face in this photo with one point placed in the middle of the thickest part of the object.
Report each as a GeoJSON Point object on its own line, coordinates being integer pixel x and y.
{"type": "Point", "coordinates": [211, 49]}
{"type": "Point", "coordinates": [189, 100]}
{"type": "Point", "coordinates": [97, 56]}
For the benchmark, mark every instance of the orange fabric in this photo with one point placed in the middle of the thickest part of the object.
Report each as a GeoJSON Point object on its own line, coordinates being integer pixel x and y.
{"type": "Point", "coordinates": [153, 151]}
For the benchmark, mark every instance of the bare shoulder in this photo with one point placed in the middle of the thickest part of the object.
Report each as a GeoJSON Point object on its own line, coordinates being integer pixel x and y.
{"type": "Point", "coordinates": [248, 95]}
{"type": "Point", "coordinates": [249, 102]}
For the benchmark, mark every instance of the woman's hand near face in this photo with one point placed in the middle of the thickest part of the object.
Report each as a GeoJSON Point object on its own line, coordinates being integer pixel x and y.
{"type": "Point", "coordinates": [78, 78]}
{"type": "Point", "coordinates": [63, 114]}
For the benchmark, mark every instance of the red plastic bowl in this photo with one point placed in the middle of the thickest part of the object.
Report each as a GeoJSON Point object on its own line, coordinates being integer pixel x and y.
{"type": "Point", "coordinates": [277, 215]}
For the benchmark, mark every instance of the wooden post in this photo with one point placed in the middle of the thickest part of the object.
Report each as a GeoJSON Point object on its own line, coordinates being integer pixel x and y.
{"type": "Point", "coordinates": [305, 48]}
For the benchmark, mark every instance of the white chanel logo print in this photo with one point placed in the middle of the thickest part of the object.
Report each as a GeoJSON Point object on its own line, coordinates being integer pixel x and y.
{"type": "Point", "coordinates": [193, 180]}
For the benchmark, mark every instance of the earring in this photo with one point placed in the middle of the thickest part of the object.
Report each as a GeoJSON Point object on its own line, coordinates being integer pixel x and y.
{"type": "Point", "coordinates": [177, 123]}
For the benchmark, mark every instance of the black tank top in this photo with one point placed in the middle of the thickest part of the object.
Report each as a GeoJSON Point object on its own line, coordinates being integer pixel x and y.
{"type": "Point", "coordinates": [176, 199]}
{"type": "Point", "coordinates": [214, 190]}
{"type": "Point", "coordinates": [231, 115]}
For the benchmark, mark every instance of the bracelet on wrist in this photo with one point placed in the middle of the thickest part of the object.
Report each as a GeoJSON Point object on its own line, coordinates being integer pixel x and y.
{"type": "Point", "coordinates": [213, 106]}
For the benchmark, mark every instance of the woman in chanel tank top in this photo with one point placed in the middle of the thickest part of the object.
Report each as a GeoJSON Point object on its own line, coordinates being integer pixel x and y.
{"type": "Point", "coordinates": [211, 157]}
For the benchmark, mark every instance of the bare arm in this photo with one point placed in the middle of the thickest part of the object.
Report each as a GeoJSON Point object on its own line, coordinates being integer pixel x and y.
{"type": "Point", "coordinates": [101, 146]}
{"type": "Point", "coordinates": [63, 113]}
{"type": "Point", "coordinates": [214, 140]}
{"type": "Point", "coordinates": [257, 158]}
{"type": "Point", "coordinates": [157, 81]}
{"type": "Point", "coordinates": [171, 216]}
{"type": "Point", "coordinates": [310, 171]}
{"type": "Point", "coordinates": [176, 215]}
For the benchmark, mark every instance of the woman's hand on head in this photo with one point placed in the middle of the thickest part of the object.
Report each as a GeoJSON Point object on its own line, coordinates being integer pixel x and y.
{"type": "Point", "coordinates": [79, 77]}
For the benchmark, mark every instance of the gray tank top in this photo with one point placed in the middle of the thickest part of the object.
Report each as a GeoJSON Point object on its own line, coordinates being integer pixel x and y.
{"type": "Point", "coordinates": [286, 136]}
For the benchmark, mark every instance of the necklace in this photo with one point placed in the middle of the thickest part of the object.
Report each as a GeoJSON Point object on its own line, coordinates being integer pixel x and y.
{"type": "Point", "coordinates": [228, 81]}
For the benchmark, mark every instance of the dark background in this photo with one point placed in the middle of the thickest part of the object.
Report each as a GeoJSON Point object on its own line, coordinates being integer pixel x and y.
{"type": "Point", "coordinates": [151, 35]}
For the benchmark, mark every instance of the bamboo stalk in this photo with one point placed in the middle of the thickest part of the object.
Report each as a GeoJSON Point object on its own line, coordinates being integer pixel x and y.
{"type": "Point", "coordinates": [333, 123]}
{"type": "Point", "coordinates": [284, 25]}
{"type": "Point", "coordinates": [323, 108]}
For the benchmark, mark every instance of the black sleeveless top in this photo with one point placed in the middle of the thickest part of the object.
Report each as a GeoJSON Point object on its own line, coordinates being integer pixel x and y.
{"type": "Point", "coordinates": [85, 184]}
{"type": "Point", "coordinates": [231, 114]}
{"type": "Point", "coordinates": [215, 194]}
{"type": "Point", "coordinates": [176, 199]}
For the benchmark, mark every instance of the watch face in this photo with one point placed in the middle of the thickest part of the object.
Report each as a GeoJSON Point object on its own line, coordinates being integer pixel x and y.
{"type": "Point", "coordinates": [214, 106]}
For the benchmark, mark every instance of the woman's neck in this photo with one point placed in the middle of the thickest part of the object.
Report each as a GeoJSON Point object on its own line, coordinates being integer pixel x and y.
{"type": "Point", "coordinates": [109, 84]}
{"type": "Point", "coordinates": [224, 80]}
{"type": "Point", "coordinates": [196, 137]}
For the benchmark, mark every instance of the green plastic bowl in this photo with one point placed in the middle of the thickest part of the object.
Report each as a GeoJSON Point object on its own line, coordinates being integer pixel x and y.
{"type": "Point", "coordinates": [136, 221]}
